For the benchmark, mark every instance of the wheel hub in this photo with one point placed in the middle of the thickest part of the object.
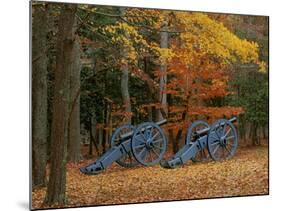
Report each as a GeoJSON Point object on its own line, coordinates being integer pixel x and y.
{"type": "Point", "coordinates": [149, 144]}
{"type": "Point", "coordinates": [222, 141]}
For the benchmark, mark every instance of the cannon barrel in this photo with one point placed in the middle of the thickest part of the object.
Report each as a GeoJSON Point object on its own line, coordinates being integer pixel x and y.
{"type": "Point", "coordinates": [130, 134]}
{"type": "Point", "coordinates": [206, 130]}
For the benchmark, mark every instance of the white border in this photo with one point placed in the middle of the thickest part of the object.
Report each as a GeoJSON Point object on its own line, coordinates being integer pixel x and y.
{"type": "Point", "coordinates": [14, 112]}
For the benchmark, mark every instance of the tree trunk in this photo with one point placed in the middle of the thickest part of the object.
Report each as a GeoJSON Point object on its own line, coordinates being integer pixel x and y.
{"type": "Point", "coordinates": [254, 136]}
{"type": "Point", "coordinates": [242, 129]}
{"type": "Point", "coordinates": [174, 142]}
{"type": "Point", "coordinates": [125, 79]}
{"type": "Point", "coordinates": [100, 135]}
{"type": "Point", "coordinates": [163, 76]}
{"type": "Point", "coordinates": [149, 91]}
{"type": "Point", "coordinates": [61, 108]}
{"type": "Point", "coordinates": [93, 135]}
{"type": "Point", "coordinates": [109, 121]}
{"type": "Point", "coordinates": [180, 131]}
{"type": "Point", "coordinates": [90, 152]}
{"type": "Point", "coordinates": [104, 132]}
{"type": "Point", "coordinates": [265, 132]}
{"type": "Point", "coordinates": [39, 95]}
{"type": "Point", "coordinates": [125, 90]}
{"type": "Point", "coordinates": [74, 119]}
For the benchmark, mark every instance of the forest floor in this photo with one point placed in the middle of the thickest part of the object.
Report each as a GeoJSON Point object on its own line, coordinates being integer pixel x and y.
{"type": "Point", "coordinates": [245, 174]}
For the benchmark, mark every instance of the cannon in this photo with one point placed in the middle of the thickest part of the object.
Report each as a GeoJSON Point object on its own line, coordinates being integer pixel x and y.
{"type": "Point", "coordinates": [220, 140]}
{"type": "Point", "coordinates": [144, 144]}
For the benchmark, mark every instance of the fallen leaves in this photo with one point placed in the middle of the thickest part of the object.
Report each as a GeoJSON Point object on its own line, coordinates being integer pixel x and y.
{"type": "Point", "coordinates": [245, 174]}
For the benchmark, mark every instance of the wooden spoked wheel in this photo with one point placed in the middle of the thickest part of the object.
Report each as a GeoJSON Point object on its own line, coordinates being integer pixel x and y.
{"type": "Point", "coordinates": [149, 144]}
{"type": "Point", "coordinates": [128, 159]}
{"type": "Point", "coordinates": [192, 136]}
{"type": "Point", "coordinates": [222, 140]}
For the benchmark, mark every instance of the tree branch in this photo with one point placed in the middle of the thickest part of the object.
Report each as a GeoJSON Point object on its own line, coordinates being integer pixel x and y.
{"type": "Point", "coordinates": [134, 24]}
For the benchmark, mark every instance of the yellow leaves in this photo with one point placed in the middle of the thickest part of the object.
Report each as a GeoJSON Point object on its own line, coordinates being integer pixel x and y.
{"type": "Point", "coordinates": [123, 34]}
{"type": "Point", "coordinates": [262, 67]}
{"type": "Point", "coordinates": [128, 39]}
{"type": "Point", "coordinates": [207, 35]}
{"type": "Point", "coordinates": [132, 55]}
{"type": "Point", "coordinates": [248, 51]}
{"type": "Point", "coordinates": [164, 54]}
{"type": "Point", "coordinates": [123, 61]}
{"type": "Point", "coordinates": [218, 82]}
{"type": "Point", "coordinates": [141, 15]}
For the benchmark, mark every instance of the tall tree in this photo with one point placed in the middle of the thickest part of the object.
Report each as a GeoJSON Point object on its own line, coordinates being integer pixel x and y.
{"type": "Point", "coordinates": [163, 70]}
{"type": "Point", "coordinates": [65, 51]}
{"type": "Point", "coordinates": [74, 119]}
{"type": "Point", "coordinates": [39, 94]}
{"type": "Point", "coordinates": [125, 76]}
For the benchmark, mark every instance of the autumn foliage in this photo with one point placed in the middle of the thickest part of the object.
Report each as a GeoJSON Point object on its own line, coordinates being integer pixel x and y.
{"type": "Point", "coordinates": [104, 67]}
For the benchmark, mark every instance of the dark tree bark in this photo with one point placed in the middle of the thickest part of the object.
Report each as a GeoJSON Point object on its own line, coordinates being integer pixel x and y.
{"type": "Point", "coordinates": [61, 108]}
{"type": "Point", "coordinates": [93, 135]}
{"type": "Point", "coordinates": [180, 132]}
{"type": "Point", "coordinates": [100, 136]}
{"type": "Point", "coordinates": [265, 132]}
{"type": "Point", "coordinates": [104, 132]}
{"type": "Point", "coordinates": [74, 119]}
{"type": "Point", "coordinates": [254, 134]}
{"type": "Point", "coordinates": [242, 129]}
{"type": "Point", "coordinates": [39, 95]}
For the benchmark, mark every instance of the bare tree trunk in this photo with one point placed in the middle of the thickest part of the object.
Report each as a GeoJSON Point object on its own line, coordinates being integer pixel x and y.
{"type": "Point", "coordinates": [39, 95]}
{"type": "Point", "coordinates": [174, 141]}
{"type": "Point", "coordinates": [264, 132]}
{"type": "Point", "coordinates": [149, 92]}
{"type": "Point", "coordinates": [61, 108]}
{"type": "Point", "coordinates": [93, 135]}
{"type": "Point", "coordinates": [242, 129]}
{"type": "Point", "coordinates": [74, 147]}
{"type": "Point", "coordinates": [104, 133]}
{"type": "Point", "coordinates": [163, 69]}
{"type": "Point", "coordinates": [125, 89]}
{"type": "Point", "coordinates": [180, 131]}
{"type": "Point", "coordinates": [109, 121]}
{"type": "Point", "coordinates": [90, 152]}
{"type": "Point", "coordinates": [254, 135]}
{"type": "Point", "coordinates": [100, 135]}
{"type": "Point", "coordinates": [125, 78]}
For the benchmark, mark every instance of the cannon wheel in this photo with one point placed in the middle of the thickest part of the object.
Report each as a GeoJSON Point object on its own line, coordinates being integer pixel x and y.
{"type": "Point", "coordinates": [148, 144]}
{"type": "Point", "coordinates": [202, 155]}
{"type": "Point", "coordinates": [128, 159]}
{"type": "Point", "coordinates": [222, 140]}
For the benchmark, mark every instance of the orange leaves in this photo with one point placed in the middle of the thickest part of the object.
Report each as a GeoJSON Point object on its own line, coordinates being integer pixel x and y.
{"type": "Point", "coordinates": [177, 109]}
{"type": "Point", "coordinates": [199, 112]}
{"type": "Point", "coordinates": [245, 174]}
{"type": "Point", "coordinates": [150, 105]}
{"type": "Point", "coordinates": [206, 82]}
{"type": "Point", "coordinates": [121, 117]}
{"type": "Point", "coordinates": [172, 92]}
{"type": "Point", "coordinates": [215, 112]}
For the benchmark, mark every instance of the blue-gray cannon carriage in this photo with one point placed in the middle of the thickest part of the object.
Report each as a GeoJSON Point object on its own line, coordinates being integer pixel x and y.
{"type": "Point", "coordinates": [146, 144]}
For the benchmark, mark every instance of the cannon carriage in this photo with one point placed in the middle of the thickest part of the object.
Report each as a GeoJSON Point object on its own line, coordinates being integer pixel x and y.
{"type": "Point", "coordinates": [146, 144]}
